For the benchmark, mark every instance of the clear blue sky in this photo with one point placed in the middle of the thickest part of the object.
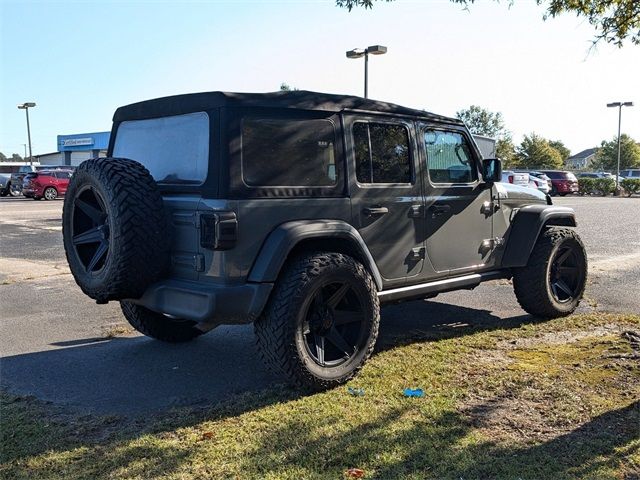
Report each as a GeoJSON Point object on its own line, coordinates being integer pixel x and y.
{"type": "Point", "coordinates": [79, 60]}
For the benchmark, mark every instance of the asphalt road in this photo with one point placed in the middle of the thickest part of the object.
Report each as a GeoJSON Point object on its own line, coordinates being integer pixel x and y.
{"type": "Point", "coordinates": [59, 346]}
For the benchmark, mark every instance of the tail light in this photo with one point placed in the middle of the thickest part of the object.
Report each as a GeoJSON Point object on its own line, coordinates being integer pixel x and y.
{"type": "Point", "coordinates": [219, 230]}
{"type": "Point", "coordinates": [510, 178]}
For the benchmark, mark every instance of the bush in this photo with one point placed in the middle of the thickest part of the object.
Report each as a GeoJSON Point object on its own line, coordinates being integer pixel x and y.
{"type": "Point", "coordinates": [604, 186]}
{"type": "Point", "coordinates": [631, 185]}
{"type": "Point", "coordinates": [586, 186]}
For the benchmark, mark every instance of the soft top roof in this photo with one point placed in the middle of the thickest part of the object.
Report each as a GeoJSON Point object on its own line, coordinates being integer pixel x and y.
{"type": "Point", "coordinates": [298, 99]}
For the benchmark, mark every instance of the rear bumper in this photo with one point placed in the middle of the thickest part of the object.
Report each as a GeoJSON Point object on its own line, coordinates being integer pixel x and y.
{"type": "Point", "coordinates": [567, 187]}
{"type": "Point", "coordinates": [206, 303]}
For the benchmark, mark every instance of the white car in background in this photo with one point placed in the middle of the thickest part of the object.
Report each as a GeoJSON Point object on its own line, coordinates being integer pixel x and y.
{"type": "Point", "coordinates": [515, 178]}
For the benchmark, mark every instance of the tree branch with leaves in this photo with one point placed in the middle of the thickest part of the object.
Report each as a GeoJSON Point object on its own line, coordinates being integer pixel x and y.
{"type": "Point", "coordinates": [614, 20]}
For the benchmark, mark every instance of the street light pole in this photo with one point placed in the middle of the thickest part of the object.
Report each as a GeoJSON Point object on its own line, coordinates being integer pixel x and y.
{"type": "Point", "coordinates": [619, 105]}
{"type": "Point", "coordinates": [25, 106]}
{"type": "Point", "coordinates": [364, 52]}
{"type": "Point", "coordinates": [366, 73]}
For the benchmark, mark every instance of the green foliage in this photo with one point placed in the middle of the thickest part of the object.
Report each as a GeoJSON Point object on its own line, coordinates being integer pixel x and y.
{"type": "Point", "coordinates": [536, 152]}
{"type": "Point", "coordinates": [614, 20]}
{"type": "Point", "coordinates": [607, 155]}
{"type": "Point", "coordinates": [561, 148]}
{"type": "Point", "coordinates": [604, 186]}
{"type": "Point", "coordinates": [631, 185]}
{"type": "Point", "coordinates": [285, 87]}
{"type": "Point", "coordinates": [481, 121]}
{"type": "Point", "coordinates": [506, 151]}
{"type": "Point", "coordinates": [586, 186]}
{"type": "Point", "coordinates": [13, 158]}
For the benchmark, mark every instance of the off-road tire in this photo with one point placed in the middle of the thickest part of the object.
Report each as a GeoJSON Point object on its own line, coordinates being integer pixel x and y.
{"type": "Point", "coordinates": [532, 284]}
{"type": "Point", "coordinates": [137, 233]}
{"type": "Point", "coordinates": [279, 330]}
{"type": "Point", "coordinates": [158, 326]}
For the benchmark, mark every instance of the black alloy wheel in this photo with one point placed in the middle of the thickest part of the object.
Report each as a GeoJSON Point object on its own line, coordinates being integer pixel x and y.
{"type": "Point", "coordinates": [565, 275]}
{"type": "Point", "coordinates": [334, 323]}
{"type": "Point", "coordinates": [90, 229]}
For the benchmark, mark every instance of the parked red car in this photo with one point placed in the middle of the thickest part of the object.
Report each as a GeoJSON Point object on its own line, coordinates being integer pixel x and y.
{"type": "Point", "coordinates": [46, 184]}
{"type": "Point", "coordinates": [562, 182]}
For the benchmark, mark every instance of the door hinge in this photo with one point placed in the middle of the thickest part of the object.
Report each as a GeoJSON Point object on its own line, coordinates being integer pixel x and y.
{"type": "Point", "coordinates": [417, 253]}
{"type": "Point", "coordinates": [492, 243]}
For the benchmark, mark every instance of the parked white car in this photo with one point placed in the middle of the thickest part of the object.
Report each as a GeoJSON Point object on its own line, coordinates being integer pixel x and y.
{"type": "Point", "coordinates": [539, 183]}
{"type": "Point", "coordinates": [515, 178]}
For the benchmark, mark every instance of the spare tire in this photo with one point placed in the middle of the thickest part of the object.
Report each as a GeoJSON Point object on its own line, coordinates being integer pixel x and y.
{"type": "Point", "coordinates": [114, 229]}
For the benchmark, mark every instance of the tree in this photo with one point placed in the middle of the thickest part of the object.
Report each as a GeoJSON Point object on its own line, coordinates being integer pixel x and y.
{"type": "Point", "coordinates": [285, 87]}
{"type": "Point", "coordinates": [614, 20]}
{"type": "Point", "coordinates": [13, 158]}
{"type": "Point", "coordinates": [506, 151]}
{"type": "Point", "coordinates": [607, 154]}
{"type": "Point", "coordinates": [536, 152]}
{"type": "Point", "coordinates": [561, 148]}
{"type": "Point", "coordinates": [481, 121]}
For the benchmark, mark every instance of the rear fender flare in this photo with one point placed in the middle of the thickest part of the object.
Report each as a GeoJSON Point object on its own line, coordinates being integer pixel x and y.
{"type": "Point", "coordinates": [282, 240]}
{"type": "Point", "coordinates": [525, 229]}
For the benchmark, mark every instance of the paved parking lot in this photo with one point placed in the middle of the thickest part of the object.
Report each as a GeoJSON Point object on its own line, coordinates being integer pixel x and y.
{"type": "Point", "coordinates": [59, 346]}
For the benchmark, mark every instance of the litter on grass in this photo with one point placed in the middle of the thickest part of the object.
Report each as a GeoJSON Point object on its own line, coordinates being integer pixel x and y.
{"type": "Point", "coordinates": [413, 392]}
{"type": "Point", "coordinates": [355, 473]}
{"type": "Point", "coordinates": [356, 392]}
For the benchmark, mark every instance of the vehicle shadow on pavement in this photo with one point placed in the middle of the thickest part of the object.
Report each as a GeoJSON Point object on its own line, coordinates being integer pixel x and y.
{"type": "Point", "coordinates": [133, 376]}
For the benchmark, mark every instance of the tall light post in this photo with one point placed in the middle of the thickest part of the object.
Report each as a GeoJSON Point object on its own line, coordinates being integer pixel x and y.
{"type": "Point", "coordinates": [26, 106]}
{"type": "Point", "coordinates": [364, 52]}
{"type": "Point", "coordinates": [619, 105]}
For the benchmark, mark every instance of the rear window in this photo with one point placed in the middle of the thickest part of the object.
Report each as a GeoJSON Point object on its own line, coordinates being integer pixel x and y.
{"type": "Point", "coordinates": [174, 149]}
{"type": "Point", "coordinates": [288, 152]}
{"type": "Point", "coordinates": [561, 175]}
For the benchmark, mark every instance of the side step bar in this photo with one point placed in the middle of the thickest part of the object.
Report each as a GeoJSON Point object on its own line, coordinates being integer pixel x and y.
{"type": "Point", "coordinates": [440, 286]}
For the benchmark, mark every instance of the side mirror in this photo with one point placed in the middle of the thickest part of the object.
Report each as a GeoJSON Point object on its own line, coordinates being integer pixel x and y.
{"type": "Point", "coordinates": [492, 170]}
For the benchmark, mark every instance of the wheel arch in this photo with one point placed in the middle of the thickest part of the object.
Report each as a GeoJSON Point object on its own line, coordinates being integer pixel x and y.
{"type": "Point", "coordinates": [526, 226]}
{"type": "Point", "coordinates": [306, 235]}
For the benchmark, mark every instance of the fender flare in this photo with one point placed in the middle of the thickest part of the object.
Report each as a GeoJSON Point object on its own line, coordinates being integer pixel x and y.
{"type": "Point", "coordinates": [525, 229]}
{"type": "Point", "coordinates": [284, 238]}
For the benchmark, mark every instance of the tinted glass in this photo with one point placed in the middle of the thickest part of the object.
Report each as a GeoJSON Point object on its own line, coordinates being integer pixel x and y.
{"type": "Point", "coordinates": [63, 175]}
{"type": "Point", "coordinates": [8, 168]}
{"type": "Point", "coordinates": [381, 153]}
{"type": "Point", "coordinates": [288, 152]}
{"type": "Point", "coordinates": [174, 149]}
{"type": "Point", "coordinates": [31, 175]}
{"type": "Point", "coordinates": [449, 157]}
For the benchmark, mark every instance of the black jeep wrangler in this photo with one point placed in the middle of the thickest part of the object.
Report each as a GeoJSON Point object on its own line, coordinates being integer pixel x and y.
{"type": "Point", "coordinates": [303, 212]}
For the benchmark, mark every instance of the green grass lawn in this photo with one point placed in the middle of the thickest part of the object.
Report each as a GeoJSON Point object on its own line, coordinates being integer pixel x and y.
{"type": "Point", "coordinates": [552, 400]}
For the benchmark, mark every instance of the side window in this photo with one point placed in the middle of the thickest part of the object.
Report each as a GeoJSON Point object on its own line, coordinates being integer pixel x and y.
{"type": "Point", "coordinates": [381, 153]}
{"type": "Point", "coordinates": [288, 152]}
{"type": "Point", "coordinates": [449, 158]}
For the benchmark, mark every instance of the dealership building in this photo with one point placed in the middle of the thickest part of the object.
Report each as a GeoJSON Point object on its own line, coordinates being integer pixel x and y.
{"type": "Point", "coordinates": [75, 149]}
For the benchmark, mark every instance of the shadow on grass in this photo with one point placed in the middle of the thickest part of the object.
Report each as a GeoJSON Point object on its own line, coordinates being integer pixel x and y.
{"type": "Point", "coordinates": [437, 448]}
{"type": "Point", "coordinates": [219, 377]}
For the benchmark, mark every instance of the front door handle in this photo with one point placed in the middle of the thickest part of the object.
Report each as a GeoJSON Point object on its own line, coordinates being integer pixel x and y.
{"type": "Point", "coordinates": [370, 211]}
{"type": "Point", "coordinates": [437, 210]}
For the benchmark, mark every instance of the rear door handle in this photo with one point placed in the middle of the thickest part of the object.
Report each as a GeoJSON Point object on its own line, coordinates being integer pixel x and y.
{"type": "Point", "coordinates": [437, 210]}
{"type": "Point", "coordinates": [370, 211]}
